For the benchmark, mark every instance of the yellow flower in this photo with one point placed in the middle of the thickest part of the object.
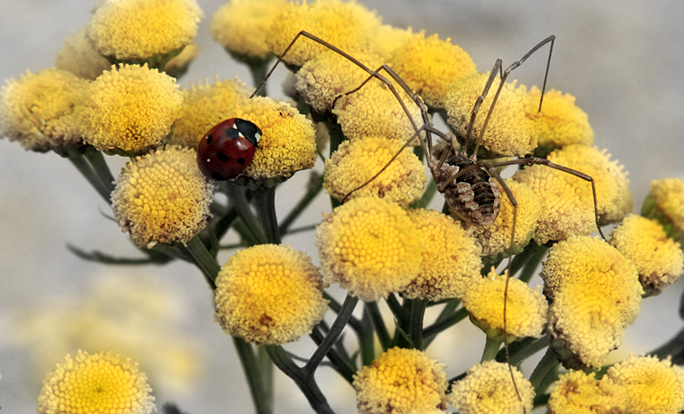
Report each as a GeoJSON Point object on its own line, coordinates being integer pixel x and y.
{"type": "Point", "coordinates": [386, 39]}
{"type": "Point", "coordinates": [269, 294]}
{"type": "Point", "coordinates": [130, 109]}
{"type": "Point", "coordinates": [355, 162]}
{"type": "Point", "coordinates": [38, 109]}
{"type": "Point", "coordinates": [137, 30]}
{"type": "Point", "coordinates": [526, 309]}
{"type": "Point", "coordinates": [288, 140]}
{"type": "Point", "coordinates": [329, 75]}
{"type": "Point", "coordinates": [401, 381]}
{"type": "Point", "coordinates": [665, 203]}
{"type": "Point", "coordinates": [178, 65]}
{"type": "Point", "coordinates": [346, 25]}
{"type": "Point", "coordinates": [78, 56]}
{"type": "Point", "coordinates": [241, 27]}
{"type": "Point", "coordinates": [99, 383]}
{"type": "Point", "coordinates": [488, 388]}
{"type": "Point", "coordinates": [430, 65]}
{"type": "Point", "coordinates": [451, 258]}
{"type": "Point", "coordinates": [370, 247]}
{"type": "Point", "coordinates": [580, 393]}
{"type": "Point", "coordinates": [511, 130]}
{"type": "Point", "coordinates": [162, 197]}
{"type": "Point", "coordinates": [652, 386]}
{"type": "Point", "coordinates": [561, 122]}
{"type": "Point", "coordinates": [595, 293]}
{"type": "Point", "coordinates": [374, 110]}
{"type": "Point", "coordinates": [495, 239]}
{"type": "Point", "coordinates": [205, 105]}
{"type": "Point", "coordinates": [658, 259]}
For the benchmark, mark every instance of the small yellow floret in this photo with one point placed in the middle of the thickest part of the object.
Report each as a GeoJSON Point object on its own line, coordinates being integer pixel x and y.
{"type": "Point", "coordinates": [205, 105]}
{"type": "Point", "coordinates": [347, 25]}
{"type": "Point", "coordinates": [652, 386]}
{"type": "Point", "coordinates": [329, 75]}
{"type": "Point", "coordinates": [100, 383]}
{"type": "Point", "coordinates": [596, 293]}
{"type": "Point", "coordinates": [130, 109]}
{"type": "Point", "coordinates": [78, 56]}
{"type": "Point", "coordinates": [355, 162]}
{"type": "Point", "coordinates": [488, 388]}
{"type": "Point", "coordinates": [495, 239]}
{"type": "Point", "coordinates": [387, 38]}
{"type": "Point", "coordinates": [665, 202]}
{"type": "Point", "coordinates": [162, 197]}
{"type": "Point", "coordinates": [561, 122]}
{"type": "Point", "coordinates": [401, 381]}
{"type": "Point", "coordinates": [136, 30]}
{"type": "Point", "coordinates": [241, 27]}
{"type": "Point", "coordinates": [580, 393]}
{"type": "Point", "coordinates": [370, 247]}
{"type": "Point", "coordinates": [269, 294]}
{"type": "Point", "coordinates": [526, 308]}
{"type": "Point", "coordinates": [511, 129]}
{"type": "Point", "coordinates": [429, 65]}
{"type": "Point", "coordinates": [38, 109]}
{"type": "Point", "coordinates": [451, 258]}
{"type": "Point", "coordinates": [658, 259]}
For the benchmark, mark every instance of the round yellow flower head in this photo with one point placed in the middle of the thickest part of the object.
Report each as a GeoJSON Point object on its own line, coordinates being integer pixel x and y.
{"type": "Point", "coordinates": [495, 239]}
{"type": "Point", "coordinates": [665, 203]}
{"type": "Point", "coordinates": [288, 140]}
{"type": "Point", "coordinates": [269, 294]}
{"type": "Point", "coordinates": [577, 392]}
{"type": "Point", "coordinates": [130, 109]}
{"type": "Point", "coordinates": [658, 259]}
{"type": "Point", "coordinates": [370, 247]}
{"type": "Point", "coordinates": [561, 123]}
{"type": "Point", "coordinates": [401, 381]}
{"type": "Point", "coordinates": [511, 129]}
{"type": "Point", "coordinates": [162, 197]}
{"type": "Point", "coordinates": [355, 162]}
{"type": "Point", "coordinates": [329, 75]}
{"type": "Point", "coordinates": [178, 65]}
{"type": "Point", "coordinates": [78, 56]}
{"type": "Point", "coordinates": [139, 30]}
{"type": "Point", "coordinates": [241, 27]}
{"type": "Point", "coordinates": [451, 258]}
{"type": "Point", "coordinates": [38, 109]}
{"type": "Point", "coordinates": [387, 38]}
{"type": "Point", "coordinates": [100, 383]}
{"type": "Point", "coordinates": [595, 293]}
{"type": "Point", "coordinates": [429, 65]}
{"type": "Point", "coordinates": [488, 388]}
{"type": "Point", "coordinates": [651, 385]}
{"type": "Point", "coordinates": [526, 309]}
{"type": "Point", "coordinates": [205, 105]}
{"type": "Point", "coordinates": [346, 25]}
{"type": "Point", "coordinates": [374, 110]}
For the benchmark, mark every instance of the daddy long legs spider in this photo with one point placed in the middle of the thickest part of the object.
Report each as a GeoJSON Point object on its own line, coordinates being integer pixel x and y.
{"type": "Point", "coordinates": [471, 187]}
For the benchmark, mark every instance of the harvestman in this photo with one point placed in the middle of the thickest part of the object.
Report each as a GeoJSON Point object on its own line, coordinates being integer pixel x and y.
{"type": "Point", "coordinates": [460, 177]}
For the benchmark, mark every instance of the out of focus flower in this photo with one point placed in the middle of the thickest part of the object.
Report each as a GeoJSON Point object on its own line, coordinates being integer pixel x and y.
{"type": "Point", "coordinates": [78, 56]}
{"type": "Point", "coordinates": [665, 203]}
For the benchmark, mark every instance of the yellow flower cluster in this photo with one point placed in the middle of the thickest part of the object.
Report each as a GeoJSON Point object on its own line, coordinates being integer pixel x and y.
{"type": "Point", "coordinates": [401, 381]}
{"type": "Point", "coordinates": [370, 247]}
{"type": "Point", "coordinates": [526, 309]}
{"type": "Point", "coordinates": [451, 258]}
{"type": "Point", "coordinates": [269, 294]}
{"type": "Point", "coordinates": [99, 383]}
{"type": "Point", "coordinates": [356, 162]}
{"type": "Point", "coordinates": [162, 197]}
{"type": "Point", "coordinates": [665, 202]}
{"type": "Point", "coordinates": [577, 392]}
{"type": "Point", "coordinates": [596, 293]}
{"type": "Point", "coordinates": [658, 259]}
{"type": "Point", "coordinates": [488, 388]}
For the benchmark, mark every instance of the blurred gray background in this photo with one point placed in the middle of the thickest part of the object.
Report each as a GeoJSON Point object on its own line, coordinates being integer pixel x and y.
{"type": "Point", "coordinates": [621, 59]}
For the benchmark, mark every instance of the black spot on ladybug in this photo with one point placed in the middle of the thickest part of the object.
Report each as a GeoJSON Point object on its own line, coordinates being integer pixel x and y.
{"type": "Point", "coordinates": [221, 156]}
{"type": "Point", "coordinates": [217, 176]}
{"type": "Point", "coordinates": [209, 138]}
{"type": "Point", "coordinates": [241, 161]}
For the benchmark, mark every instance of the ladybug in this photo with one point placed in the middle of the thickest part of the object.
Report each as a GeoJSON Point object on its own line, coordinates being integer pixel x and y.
{"type": "Point", "coordinates": [228, 148]}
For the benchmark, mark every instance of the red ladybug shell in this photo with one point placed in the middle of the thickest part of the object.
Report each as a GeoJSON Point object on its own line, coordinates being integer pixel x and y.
{"type": "Point", "coordinates": [227, 149]}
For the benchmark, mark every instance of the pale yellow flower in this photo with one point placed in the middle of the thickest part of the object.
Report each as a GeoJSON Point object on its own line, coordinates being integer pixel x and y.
{"type": "Point", "coordinates": [580, 393]}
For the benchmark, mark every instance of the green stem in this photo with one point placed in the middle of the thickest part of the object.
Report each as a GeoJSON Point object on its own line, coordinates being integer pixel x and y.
{"type": "Point", "coordinates": [378, 324]}
{"type": "Point", "coordinates": [266, 373]}
{"type": "Point", "coordinates": [433, 330]}
{"type": "Point", "coordinates": [399, 313]}
{"type": "Point", "coordinates": [250, 365]}
{"type": "Point", "coordinates": [548, 362]}
{"type": "Point", "coordinates": [335, 330]}
{"type": "Point", "coordinates": [340, 360]}
{"type": "Point", "coordinates": [521, 350]}
{"type": "Point", "coordinates": [490, 350]}
{"type": "Point", "coordinates": [313, 188]}
{"type": "Point", "coordinates": [533, 263]}
{"type": "Point", "coordinates": [429, 193]}
{"type": "Point", "coordinates": [416, 322]}
{"type": "Point", "coordinates": [258, 69]}
{"type": "Point", "coordinates": [204, 260]}
{"type": "Point", "coordinates": [239, 201]}
{"type": "Point", "coordinates": [87, 171]}
{"type": "Point", "coordinates": [264, 199]}
{"type": "Point", "coordinates": [97, 161]}
{"type": "Point", "coordinates": [366, 339]}
{"type": "Point", "coordinates": [674, 347]}
{"type": "Point", "coordinates": [523, 257]}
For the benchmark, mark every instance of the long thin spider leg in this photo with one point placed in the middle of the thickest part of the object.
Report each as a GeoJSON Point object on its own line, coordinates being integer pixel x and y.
{"type": "Point", "coordinates": [478, 103]}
